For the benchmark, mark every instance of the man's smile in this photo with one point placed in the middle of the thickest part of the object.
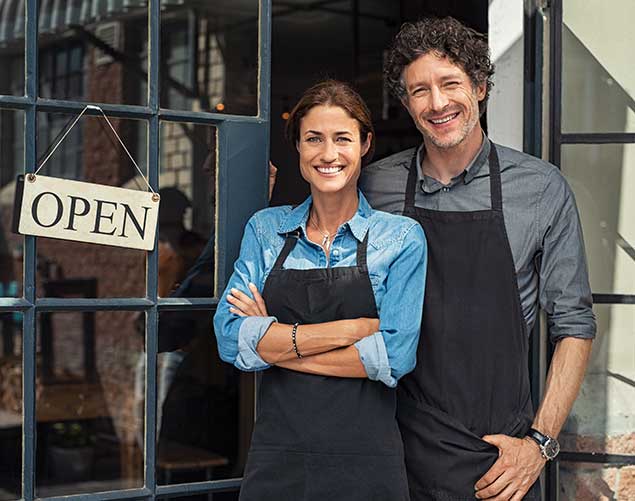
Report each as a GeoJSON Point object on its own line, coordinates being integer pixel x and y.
{"type": "Point", "coordinates": [443, 120]}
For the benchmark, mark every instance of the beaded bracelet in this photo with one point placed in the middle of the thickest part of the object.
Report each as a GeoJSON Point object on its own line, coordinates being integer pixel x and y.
{"type": "Point", "coordinates": [293, 334]}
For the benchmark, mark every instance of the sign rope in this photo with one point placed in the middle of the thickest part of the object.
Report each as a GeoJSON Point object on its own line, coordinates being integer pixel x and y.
{"type": "Point", "coordinates": [94, 108]}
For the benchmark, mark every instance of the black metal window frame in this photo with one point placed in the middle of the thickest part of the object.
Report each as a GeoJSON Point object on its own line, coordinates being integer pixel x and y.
{"type": "Point", "coordinates": [556, 140]}
{"type": "Point", "coordinates": [240, 191]}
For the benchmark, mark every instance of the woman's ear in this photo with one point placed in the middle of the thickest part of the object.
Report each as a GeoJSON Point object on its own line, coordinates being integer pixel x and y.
{"type": "Point", "coordinates": [297, 146]}
{"type": "Point", "coordinates": [366, 145]}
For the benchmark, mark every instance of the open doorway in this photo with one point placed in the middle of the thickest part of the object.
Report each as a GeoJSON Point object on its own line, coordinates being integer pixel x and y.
{"type": "Point", "coordinates": [346, 40]}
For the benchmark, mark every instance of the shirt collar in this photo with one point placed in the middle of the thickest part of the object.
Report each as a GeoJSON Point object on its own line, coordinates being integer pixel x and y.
{"type": "Point", "coordinates": [358, 224]}
{"type": "Point", "coordinates": [478, 164]}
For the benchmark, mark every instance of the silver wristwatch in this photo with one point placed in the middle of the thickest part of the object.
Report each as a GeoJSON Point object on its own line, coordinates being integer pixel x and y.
{"type": "Point", "coordinates": [549, 446]}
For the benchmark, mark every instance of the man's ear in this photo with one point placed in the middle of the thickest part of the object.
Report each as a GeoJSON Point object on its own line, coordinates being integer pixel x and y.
{"type": "Point", "coordinates": [481, 91]}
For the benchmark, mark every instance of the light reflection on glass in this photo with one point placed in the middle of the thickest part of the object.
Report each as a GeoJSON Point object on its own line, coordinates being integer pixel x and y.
{"type": "Point", "coordinates": [209, 56]}
{"type": "Point", "coordinates": [90, 402]}
{"type": "Point", "coordinates": [93, 51]}
{"type": "Point", "coordinates": [187, 182]}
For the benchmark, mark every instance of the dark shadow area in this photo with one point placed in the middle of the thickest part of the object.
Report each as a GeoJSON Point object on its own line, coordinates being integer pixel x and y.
{"type": "Point", "coordinates": [345, 40]}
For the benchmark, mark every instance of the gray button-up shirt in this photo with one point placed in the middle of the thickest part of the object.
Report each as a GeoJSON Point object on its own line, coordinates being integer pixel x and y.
{"type": "Point", "coordinates": [541, 220]}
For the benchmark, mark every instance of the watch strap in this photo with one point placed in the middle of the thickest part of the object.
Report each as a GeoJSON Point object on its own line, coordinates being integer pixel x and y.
{"type": "Point", "coordinates": [538, 437]}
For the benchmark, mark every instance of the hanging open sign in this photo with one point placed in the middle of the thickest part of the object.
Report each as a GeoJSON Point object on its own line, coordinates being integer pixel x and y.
{"type": "Point", "coordinates": [86, 212]}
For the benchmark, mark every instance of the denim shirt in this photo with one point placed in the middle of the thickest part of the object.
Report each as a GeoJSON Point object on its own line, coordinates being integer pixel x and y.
{"type": "Point", "coordinates": [396, 259]}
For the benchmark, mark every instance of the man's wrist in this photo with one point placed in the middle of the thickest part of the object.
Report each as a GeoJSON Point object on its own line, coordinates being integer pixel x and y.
{"type": "Point", "coordinates": [535, 446]}
{"type": "Point", "coordinates": [548, 446]}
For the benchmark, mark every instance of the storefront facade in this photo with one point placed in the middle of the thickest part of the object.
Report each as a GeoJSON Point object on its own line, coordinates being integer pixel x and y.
{"type": "Point", "coordinates": [110, 383]}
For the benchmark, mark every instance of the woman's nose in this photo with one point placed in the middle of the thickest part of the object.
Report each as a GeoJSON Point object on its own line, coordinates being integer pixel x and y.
{"type": "Point", "coordinates": [329, 152]}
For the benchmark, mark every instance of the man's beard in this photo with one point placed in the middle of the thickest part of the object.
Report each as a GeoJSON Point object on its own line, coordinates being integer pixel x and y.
{"type": "Point", "coordinates": [465, 131]}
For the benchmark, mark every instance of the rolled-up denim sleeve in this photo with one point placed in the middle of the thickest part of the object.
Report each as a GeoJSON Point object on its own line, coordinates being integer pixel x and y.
{"type": "Point", "coordinates": [391, 353]}
{"type": "Point", "coordinates": [237, 337]}
{"type": "Point", "coordinates": [372, 353]}
{"type": "Point", "coordinates": [250, 332]}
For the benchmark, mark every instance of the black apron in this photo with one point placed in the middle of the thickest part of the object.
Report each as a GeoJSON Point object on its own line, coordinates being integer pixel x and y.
{"type": "Point", "coordinates": [320, 438]}
{"type": "Point", "coordinates": [471, 377]}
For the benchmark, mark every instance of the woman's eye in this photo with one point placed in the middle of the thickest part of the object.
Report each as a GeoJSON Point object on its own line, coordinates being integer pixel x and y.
{"type": "Point", "coordinates": [313, 139]}
{"type": "Point", "coordinates": [344, 139]}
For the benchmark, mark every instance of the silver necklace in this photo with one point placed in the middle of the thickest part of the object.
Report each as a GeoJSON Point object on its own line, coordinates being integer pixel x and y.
{"type": "Point", "coordinates": [326, 236]}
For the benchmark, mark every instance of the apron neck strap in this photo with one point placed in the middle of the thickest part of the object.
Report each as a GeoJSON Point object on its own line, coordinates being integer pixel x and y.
{"type": "Point", "coordinates": [292, 239]}
{"type": "Point", "coordinates": [494, 180]}
{"type": "Point", "coordinates": [411, 186]}
{"type": "Point", "coordinates": [362, 248]}
{"type": "Point", "coordinates": [289, 244]}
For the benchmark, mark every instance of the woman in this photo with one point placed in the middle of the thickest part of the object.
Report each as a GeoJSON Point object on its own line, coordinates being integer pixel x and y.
{"type": "Point", "coordinates": [337, 323]}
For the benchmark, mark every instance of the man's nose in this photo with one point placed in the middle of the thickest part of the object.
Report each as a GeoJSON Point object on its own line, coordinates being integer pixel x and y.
{"type": "Point", "coordinates": [438, 99]}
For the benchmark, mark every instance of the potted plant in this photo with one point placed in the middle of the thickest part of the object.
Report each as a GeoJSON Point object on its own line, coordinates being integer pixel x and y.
{"type": "Point", "coordinates": [71, 451]}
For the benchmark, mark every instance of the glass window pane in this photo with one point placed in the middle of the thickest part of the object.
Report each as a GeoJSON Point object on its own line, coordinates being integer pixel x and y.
{"type": "Point", "coordinates": [94, 51]}
{"type": "Point", "coordinates": [205, 406]}
{"type": "Point", "coordinates": [10, 405]}
{"type": "Point", "coordinates": [90, 402]}
{"type": "Point", "coordinates": [594, 481]}
{"type": "Point", "coordinates": [603, 417]}
{"type": "Point", "coordinates": [220, 496]}
{"type": "Point", "coordinates": [91, 153]}
{"type": "Point", "coordinates": [598, 77]}
{"type": "Point", "coordinates": [12, 26]}
{"type": "Point", "coordinates": [603, 180]}
{"type": "Point", "coordinates": [187, 183]}
{"type": "Point", "coordinates": [11, 245]}
{"type": "Point", "coordinates": [209, 56]}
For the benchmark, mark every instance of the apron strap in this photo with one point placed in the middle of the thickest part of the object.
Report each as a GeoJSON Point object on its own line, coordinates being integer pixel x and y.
{"type": "Point", "coordinates": [289, 243]}
{"type": "Point", "coordinates": [292, 239]}
{"type": "Point", "coordinates": [362, 249]}
{"type": "Point", "coordinates": [412, 183]}
{"type": "Point", "coordinates": [496, 193]}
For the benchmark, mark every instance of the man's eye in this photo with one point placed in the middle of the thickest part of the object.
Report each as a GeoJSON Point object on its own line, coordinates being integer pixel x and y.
{"type": "Point", "coordinates": [452, 84]}
{"type": "Point", "coordinates": [419, 91]}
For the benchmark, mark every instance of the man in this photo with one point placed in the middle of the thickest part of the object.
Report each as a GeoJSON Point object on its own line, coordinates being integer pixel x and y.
{"type": "Point", "coordinates": [503, 235]}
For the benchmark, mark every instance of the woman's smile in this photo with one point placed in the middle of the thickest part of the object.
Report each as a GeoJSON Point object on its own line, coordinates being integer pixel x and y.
{"type": "Point", "coordinates": [329, 170]}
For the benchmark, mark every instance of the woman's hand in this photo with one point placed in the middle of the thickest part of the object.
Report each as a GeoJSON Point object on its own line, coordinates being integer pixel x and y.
{"type": "Point", "coordinates": [245, 306]}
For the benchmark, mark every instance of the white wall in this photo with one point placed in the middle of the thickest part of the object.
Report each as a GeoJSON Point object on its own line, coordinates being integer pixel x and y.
{"type": "Point", "coordinates": [505, 110]}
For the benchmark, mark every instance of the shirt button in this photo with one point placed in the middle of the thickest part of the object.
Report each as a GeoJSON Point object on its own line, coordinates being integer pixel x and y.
{"type": "Point", "coordinates": [445, 189]}
{"type": "Point", "coordinates": [336, 252]}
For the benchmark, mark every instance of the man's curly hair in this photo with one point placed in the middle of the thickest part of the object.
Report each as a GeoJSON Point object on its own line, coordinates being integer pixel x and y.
{"type": "Point", "coordinates": [448, 37]}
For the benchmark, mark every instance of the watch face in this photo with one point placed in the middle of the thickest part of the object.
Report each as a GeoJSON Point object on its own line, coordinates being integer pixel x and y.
{"type": "Point", "coordinates": [551, 448]}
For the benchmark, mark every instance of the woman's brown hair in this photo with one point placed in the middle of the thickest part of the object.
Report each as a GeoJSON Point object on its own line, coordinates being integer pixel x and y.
{"type": "Point", "coordinates": [333, 93]}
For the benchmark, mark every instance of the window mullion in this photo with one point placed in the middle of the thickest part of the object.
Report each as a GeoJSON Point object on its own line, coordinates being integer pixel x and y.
{"type": "Point", "coordinates": [152, 316]}
{"type": "Point", "coordinates": [28, 336]}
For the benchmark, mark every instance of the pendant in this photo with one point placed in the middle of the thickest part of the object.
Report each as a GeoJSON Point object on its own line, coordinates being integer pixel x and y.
{"type": "Point", "coordinates": [326, 242]}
